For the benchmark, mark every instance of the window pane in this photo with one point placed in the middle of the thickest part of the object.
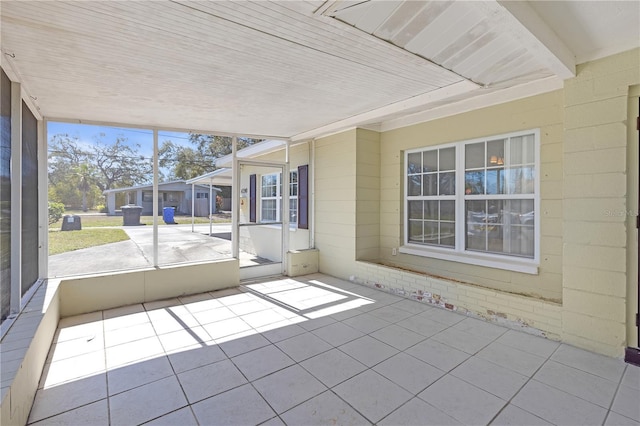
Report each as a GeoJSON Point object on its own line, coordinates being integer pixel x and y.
{"type": "Point", "coordinates": [431, 234]}
{"type": "Point", "coordinates": [476, 213]}
{"type": "Point", "coordinates": [415, 209]}
{"type": "Point", "coordinates": [268, 212]}
{"type": "Point", "coordinates": [431, 210]}
{"type": "Point", "coordinates": [448, 183]}
{"type": "Point", "coordinates": [520, 180]}
{"type": "Point", "coordinates": [5, 196]}
{"type": "Point", "coordinates": [495, 153]}
{"type": "Point", "coordinates": [293, 211]}
{"type": "Point", "coordinates": [430, 184]}
{"type": "Point", "coordinates": [447, 234]}
{"type": "Point", "coordinates": [447, 159]}
{"type": "Point", "coordinates": [415, 185]}
{"type": "Point", "coordinates": [474, 182]}
{"type": "Point", "coordinates": [430, 161]}
{"type": "Point", "coordinates": [522, 150]}
{"type": "Point", "coordinates": [474, 155]}
{"type": "Point", "coordinates": [415, 231]}
{"type": "Point", "coordinates": [495, 181]}
{"type": "Point", "coordinates": [414, 163]}
{"type": "Point", "coordinates": [447, 210]}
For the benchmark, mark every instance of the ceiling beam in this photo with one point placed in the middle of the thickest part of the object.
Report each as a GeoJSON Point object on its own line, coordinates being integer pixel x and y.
{"type": "Point", "coordinates": [521, 21]}
{"type": "Point", "coordinates": [378, 114]}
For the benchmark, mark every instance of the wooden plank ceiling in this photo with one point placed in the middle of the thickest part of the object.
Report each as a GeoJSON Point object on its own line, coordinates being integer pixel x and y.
{"type": "Point", "coordinates": [260, 67]}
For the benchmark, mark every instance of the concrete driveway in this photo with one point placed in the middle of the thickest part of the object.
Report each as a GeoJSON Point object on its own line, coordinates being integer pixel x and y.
{"type": "Point", "coordinates": [176, 244]}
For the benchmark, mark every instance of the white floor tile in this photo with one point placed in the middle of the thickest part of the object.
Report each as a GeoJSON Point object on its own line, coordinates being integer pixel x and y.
{"type": "Point", "coordinates": [159, 304]}
{"type": "Point", "coordinates": [248, 307]}
{"type": "Point", "coordinates": [124, 317]}
{"type": "Point", "coordinates": [437, 354]}
{"type": "Point", "coordinates": [195, 356]}
{"type": "Point", "coordinates": [263, 318]}
{"type": "Point", "coordinates": [182, 417]}
{"type": "Point", "coordinates": [496, 380]}
{"type": "Point", "coordinates": [146, 402]}
{"type": "Point", "coordinates": [466, 342]}
{"type": "Point", "coordinates": [72, 348]}
{"type": "Point", "coordinates": [373, 395]}
{"type": "Point", "coordinates": [137, 374]}
{"type": "Point", "coordinates": [412, 306]}
{"type": "Point", "coordinates": [391, 314]}
{"type": "Point", "coordinates": [333, 367]}
{"type": "Point", "coordinates": [303, 346]}
{"type": "Point", "coordinates": [514, 416]}
{"type": "Point", "coordinates": [337, 334]}
{"type": "Point", "coordinates": [443, 316]}
{"type": "Point", "coordinates": [511, 358]}
{"type": "Point", "coordinates": [556, 406]}
{"type": "Point", "coordinates": [133, 351]}
{"type": "Point", "coordinates": [631, 377]}
{"type": "Point", "coordinates": [615, 419]}
{"type": "Point", "coordinates": [87, 326]}
{"type": "Point", "coordinates": [418, 413]}
{"type": "Point", "coordinates": [128, 334]}
{"type": "Point", "coordinates": [576, 382]}
{"type": "Point", "coordinates": [324, 409]}
{"type": "Point", "coordinates": [366, 323]}
{"type": "Point", "coordinates": [600, 365]}
{"type": "Point", "coordinates": [409, 372]}
{"type": "Point", "coordinates": [183, 338]}
{"type": "Point", "coordinates": [397, 337]}
{"type": "Point", "coordinates": [627, 403]}
{"type": "Point", "coordinates": [209, 316]}
{"type": "Point", "coordinates": [94, 414]}
{"type": "Point", "coordinates": [279, 331]}
{"type": "Point", "coordinates": [238, 344]}
{"type": "Point", "coordinates": [220, 329]}
{"type": "Point", "coordinates": [288, 388]}
{"type": "Point", "coordinates": [72, 369]}
{"type": "Point", "coordinates": [61, 398]}
{"type": "Point", "coordinates": [209, 380]}
{"type": "Point", "coordinates": [314, 323]}
{"type": "Point", "coordinates": [480, 328]}
{"type": "Point", "coordinates": [422, 325]}
{"type": "Point", "coordinates": [462, 401]}
{"type": "Point", "coordinates": [368, 350]}
{"type": "Point", "coordinates": [238, 407]}
{"type": "Point", "coordinates": [528, 343]}
{"type": "Point", "coordinates": [205, 303]}
{"type": "Point", "coordinates": [274, 421]}
{"type": "Point", "coordinates": [263, 361]}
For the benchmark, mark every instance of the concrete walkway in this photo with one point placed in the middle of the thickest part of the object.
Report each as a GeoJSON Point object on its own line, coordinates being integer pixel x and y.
{"type": "Point", "coordinates": [176, 244]}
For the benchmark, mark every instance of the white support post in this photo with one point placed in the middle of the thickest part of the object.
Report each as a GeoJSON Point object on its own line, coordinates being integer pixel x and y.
{"type": "Point", "coordinates": [193, 204]}
{"type": "Point", "coordinates": [285, 210]}
{"type": "Point", "coordinates": [235, 200]}
{"type": "Point", "coordinates": [16, 198]}
{"type": "Point", "coordinates": [155, 197]}
{"type": "Point", "coordinates": [210, 208]}
{"type": "Point", "coordinates": [43, 201]}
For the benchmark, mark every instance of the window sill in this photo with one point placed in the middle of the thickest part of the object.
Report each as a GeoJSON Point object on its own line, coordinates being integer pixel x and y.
{"type": "Point", "coordinates": [488, 260]}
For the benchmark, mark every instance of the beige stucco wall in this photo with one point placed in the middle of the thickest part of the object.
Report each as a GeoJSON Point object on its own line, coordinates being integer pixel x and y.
{"type": "Point", "coordinates": [367, 195]}
{"type": "Point", "coordinates": [544, 112]}
{"type": "Point", "coordinates": [595, 205]}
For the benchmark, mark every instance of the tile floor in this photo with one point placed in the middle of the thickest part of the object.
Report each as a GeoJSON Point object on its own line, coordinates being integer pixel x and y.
{"type": "Point", "coordinates": [318, 350]}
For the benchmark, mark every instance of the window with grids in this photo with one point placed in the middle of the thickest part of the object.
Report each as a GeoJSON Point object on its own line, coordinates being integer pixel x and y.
{"type": "Point", "coordinates": [474, 198]}
{"type": "Point", "coordinates": [271, 197]}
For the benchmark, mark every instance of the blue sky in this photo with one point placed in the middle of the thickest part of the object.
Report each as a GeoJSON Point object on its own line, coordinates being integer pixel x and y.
{"type": "Point", "coordinates": [87, 134]}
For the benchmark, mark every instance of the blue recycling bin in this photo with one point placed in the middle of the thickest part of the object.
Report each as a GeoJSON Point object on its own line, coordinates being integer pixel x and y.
{"type": "Point", "coordinates": [167, 215]}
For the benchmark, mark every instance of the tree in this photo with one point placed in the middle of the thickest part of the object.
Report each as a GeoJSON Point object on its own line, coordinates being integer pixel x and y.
{"type": "Point", "coordinates": [79, 172]}
{"type": "Point", "coordinates": [186, 162]}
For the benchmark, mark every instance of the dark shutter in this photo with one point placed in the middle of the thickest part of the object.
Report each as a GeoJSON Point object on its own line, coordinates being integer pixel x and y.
{"type": "Point", "coordinates": [303, 197]}
{"type": "Point", "coordinates": [29, 199]}
{"type": "Point", "coordinates": [252, 198]}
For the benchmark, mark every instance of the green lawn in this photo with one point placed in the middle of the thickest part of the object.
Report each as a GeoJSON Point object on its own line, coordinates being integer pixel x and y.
{"type": "Point", "coordinates": [92, 221]}
{"type": "Point", "coordinates": [61, 242]}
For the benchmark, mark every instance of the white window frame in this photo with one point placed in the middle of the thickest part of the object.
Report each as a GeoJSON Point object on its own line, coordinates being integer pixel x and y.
{"type": "Point", "coordinates": [459, 253]}
{"type": "Point", "coordinates": [278, 197]}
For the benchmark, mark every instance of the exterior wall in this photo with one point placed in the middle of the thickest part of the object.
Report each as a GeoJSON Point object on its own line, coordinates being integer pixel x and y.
{"type": "Point", "coordinates": [259, 240]}
{"type": "Point", "coordinates": [367, 195]}
{"type": "Point", "coordinates": [335, 203]}
{"type": "Point", "coordinates": [544, 112]}
{"type": "Point", "coordinates": [633, 177]}
{"type": "Point", "coordinates": [595, 203]}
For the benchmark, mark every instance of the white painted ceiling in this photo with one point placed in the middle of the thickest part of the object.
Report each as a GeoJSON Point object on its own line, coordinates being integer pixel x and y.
{"type": "Point", "coordinates": [297, 69]}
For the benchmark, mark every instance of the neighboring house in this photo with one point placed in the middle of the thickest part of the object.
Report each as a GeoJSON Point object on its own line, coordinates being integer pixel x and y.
{"type": "Point", "coordinates": [175, 194]}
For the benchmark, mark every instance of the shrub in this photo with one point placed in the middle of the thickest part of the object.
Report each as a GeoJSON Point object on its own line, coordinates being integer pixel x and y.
{"type": "Point", "coordinates": [102, 208]}
{"type": "Point", "coordinates": [56, 210]}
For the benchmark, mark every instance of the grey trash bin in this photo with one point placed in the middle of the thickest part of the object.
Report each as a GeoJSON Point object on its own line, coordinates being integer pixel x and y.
{"type": "Point", "coordinates": [131, 215]}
